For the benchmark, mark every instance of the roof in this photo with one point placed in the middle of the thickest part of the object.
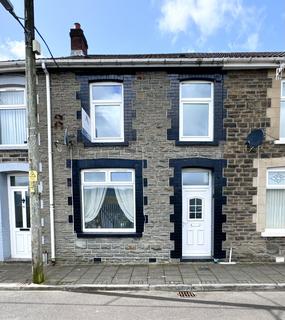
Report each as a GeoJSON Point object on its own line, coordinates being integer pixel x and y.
{"type": "Point", "coordinates": [189, 55]}
{"type": "Point", "coordinates": [225, 60]}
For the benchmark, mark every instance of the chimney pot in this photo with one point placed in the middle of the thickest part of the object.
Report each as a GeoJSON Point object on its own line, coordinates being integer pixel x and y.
{"type": "Point", "coordinates": [78, 41]}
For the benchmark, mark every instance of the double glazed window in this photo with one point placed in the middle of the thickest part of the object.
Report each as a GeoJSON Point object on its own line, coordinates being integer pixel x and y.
{"type": "Point", "coordinates": [108, 200]}
{"type": "Point", "coordinates": [196, 111]}
{"type": "Point", "coordinates": [107, 112]}
{"type": "Point", "coordinates": [282, 111]}
{"type": "Point", "coordinates": [13, 130]}
{"type": "Point", "coordinates": [275, 199]}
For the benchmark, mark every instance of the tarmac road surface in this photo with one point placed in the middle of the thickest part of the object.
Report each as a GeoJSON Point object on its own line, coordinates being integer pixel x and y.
{"type": "Point", "coordinates": [129, 305]}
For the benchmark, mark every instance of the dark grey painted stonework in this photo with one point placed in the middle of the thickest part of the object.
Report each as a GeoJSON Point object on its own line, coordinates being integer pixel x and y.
{"type": "Point", "coordinates": [84, 96]}
{"type": "Point", "coordinates": [217, 80]}
{"type": "Point", "coordinates": [216, 166]}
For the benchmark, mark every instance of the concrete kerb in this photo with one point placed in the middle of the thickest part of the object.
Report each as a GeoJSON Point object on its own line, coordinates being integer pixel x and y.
{"type": "Point", "coordinates": [144, 287]}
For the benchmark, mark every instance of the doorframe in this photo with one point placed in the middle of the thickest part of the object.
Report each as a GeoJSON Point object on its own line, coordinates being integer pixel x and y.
{"type": "Point", "coordinates": [198, 188]}
{"type": "Point", "coordinates": [12, 210]}
{"type": "Point", "coordinates": [218, 182]}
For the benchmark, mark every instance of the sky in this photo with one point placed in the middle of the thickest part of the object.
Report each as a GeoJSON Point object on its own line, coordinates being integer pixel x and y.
{"type": "Point", "coordinates": [150, 26]}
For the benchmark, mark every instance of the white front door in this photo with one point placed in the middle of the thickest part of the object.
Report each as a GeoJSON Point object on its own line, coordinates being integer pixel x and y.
{"type": "Point", "coordinates": [20, 225]}
{"type": "Point", "coordinates": [197, 214]}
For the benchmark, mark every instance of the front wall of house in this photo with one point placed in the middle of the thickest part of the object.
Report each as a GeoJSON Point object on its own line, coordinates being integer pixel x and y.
{"type": "Point", "coordinates": [151, 104]}
{"type": "Point", "coordinates": [11, 161]}
{"type": "Point", "coordinates": [248, 104]}
{"type": "Point", "coordinates": [152, 96]}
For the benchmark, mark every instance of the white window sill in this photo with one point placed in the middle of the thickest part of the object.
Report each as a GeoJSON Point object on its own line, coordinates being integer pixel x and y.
{"type": "Point", "coordinates": [200, 139]}
{"type": "Point", "coordinates": [280, 141]}
{"type": "Point", "coordinates": [14, 147]}
{"type": "Point", "coordinates": [273, 233]}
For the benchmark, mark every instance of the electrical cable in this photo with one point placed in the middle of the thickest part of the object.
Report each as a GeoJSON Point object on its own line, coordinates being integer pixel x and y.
{"type": "Point", "coordinates": [26, 31]}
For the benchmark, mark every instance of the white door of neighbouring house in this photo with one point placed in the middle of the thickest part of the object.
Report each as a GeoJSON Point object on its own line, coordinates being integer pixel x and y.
{"type": "Point", "coordinates": [19, 209]}
{"type": "Point", "coordinates": [196, 214]}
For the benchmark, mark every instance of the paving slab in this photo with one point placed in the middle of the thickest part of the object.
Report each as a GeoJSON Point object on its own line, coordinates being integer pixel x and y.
{"type": "Point", "coordinates": [202, 276]}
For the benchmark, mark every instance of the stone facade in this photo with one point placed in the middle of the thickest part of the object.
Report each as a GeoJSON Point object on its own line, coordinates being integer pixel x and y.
{"type": "Point", "coordinates": [246, 103]}
{"type": "Point", "coordinates": [151, 105]}
{"type": "Point", "coordinates": [247, 106]}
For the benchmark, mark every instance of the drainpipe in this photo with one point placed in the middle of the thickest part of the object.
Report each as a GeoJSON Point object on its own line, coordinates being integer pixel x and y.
{"type": "Point", "coordinates": [50, 164]}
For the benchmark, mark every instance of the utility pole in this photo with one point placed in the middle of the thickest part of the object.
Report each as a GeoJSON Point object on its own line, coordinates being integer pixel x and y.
{"type": "Point", "coordinates": [33, 148]}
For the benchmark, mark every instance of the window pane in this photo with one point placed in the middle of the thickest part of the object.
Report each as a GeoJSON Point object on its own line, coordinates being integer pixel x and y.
{"type": "Point", "coordinates": [13, 126]}
{"type": "Point", "coordinates": [121, 176]}
{"type": "Point", "coordinates": [196, 90]}
{"type": "Point", "coordinates": [108, 121]}
{"type": "Point", "coordinates": [94, 176]}
{"type": "Point", "coordinates": [282, 119]}
{"type": "Point", "coordinates": [18, 209]}
{"type": "Point", "coordinates": [19, 181]}
{"type": "Point", "coordinates": [109, 207]}
{"type": "Point", "coordinates": [195, 120]}
{"type": "Point", "coordinates": [11, 97]}
{"type": "Point", "coordinates": [275, 209]}
{"type": "Point", "coordinates": [107, 92]}
{"type": "Point", "coordinates": [195, 178]}
{"type": "Point", "coordinates": [276, 178]}
{"type": "Point", "coordinates": [283, 89]}
{"type": "Point", "coordinates": [28, 210]}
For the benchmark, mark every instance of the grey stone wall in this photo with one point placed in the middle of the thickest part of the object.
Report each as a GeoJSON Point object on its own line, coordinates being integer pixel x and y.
{"type": "Point", "coordinates": [246, 103]}
{"type": "Point", "coordinates": [246, 106]}
{"type": "Point", "coordinates": [151, 105]}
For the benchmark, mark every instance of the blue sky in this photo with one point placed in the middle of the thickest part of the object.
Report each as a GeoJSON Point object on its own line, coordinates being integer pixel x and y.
{"type": "Point", "coordinates": [151, 26]}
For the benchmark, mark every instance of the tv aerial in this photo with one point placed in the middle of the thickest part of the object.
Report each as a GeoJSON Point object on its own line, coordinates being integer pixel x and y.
{"type": "Point", "coordinates": [255, 139]}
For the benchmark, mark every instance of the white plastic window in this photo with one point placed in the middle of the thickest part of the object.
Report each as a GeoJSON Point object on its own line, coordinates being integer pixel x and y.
{"type": "Point", "coordinates": [13, 127]}
{"type": "Point", "coordinates": [108, 200]}
{"type": "Point", "coordinates": [275, 199]}
{"type": "Point", "coordinates": [107, 112]}
{"type": "Point", "coordinates": [196, 111]}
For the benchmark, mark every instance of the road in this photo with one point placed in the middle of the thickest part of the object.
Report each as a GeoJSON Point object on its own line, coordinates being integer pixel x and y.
{"type": "Point", "coordinates": [141, 305]}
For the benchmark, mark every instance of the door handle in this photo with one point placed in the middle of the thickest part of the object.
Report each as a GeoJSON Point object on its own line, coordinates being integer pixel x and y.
{"type": "Point", "coordinates": [24, 229]}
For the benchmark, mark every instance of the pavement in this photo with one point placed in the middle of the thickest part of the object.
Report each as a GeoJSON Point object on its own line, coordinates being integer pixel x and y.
{"type": "Point", "coordinates": [184, 276]}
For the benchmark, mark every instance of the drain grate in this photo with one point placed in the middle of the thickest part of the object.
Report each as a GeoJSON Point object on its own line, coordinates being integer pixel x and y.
{"type": "Point", "coordinates": [186, 294]}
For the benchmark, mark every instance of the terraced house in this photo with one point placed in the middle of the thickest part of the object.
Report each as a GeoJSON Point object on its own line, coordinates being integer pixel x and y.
{"type": "Point", "coordinates": [144, 157]}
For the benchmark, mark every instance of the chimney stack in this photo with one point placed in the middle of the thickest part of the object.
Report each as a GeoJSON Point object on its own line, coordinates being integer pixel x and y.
{"type": "Point", "coordinates": [78, 41]}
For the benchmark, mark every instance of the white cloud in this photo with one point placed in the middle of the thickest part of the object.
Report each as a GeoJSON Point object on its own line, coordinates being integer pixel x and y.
{"type": "Point", "coordinates": [12, 50]}
{"type": "Point", "coordinates": [250, 44]}
{"type": "Point", "coordinates": [205, 18]}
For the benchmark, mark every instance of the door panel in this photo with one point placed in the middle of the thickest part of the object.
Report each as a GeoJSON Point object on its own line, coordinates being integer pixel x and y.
{"type": "Point", "coordinates": [196, 237]}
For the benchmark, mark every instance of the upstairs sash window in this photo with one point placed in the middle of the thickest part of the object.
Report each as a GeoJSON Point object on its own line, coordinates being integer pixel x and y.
{"type": "Point", "coordinates": [13, 128]}
{"type": "Point", "coordinates": [196, 111]}
{"type": "Point", "coordinates": [107, 113]}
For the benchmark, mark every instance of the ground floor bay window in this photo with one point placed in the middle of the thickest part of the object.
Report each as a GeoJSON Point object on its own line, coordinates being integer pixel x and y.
{"type": "Point", "coordinates": [108, 200]}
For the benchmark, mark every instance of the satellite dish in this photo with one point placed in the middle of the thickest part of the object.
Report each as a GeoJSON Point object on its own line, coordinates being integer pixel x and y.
{"type": "Point", "coordinates": [255, 139]}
